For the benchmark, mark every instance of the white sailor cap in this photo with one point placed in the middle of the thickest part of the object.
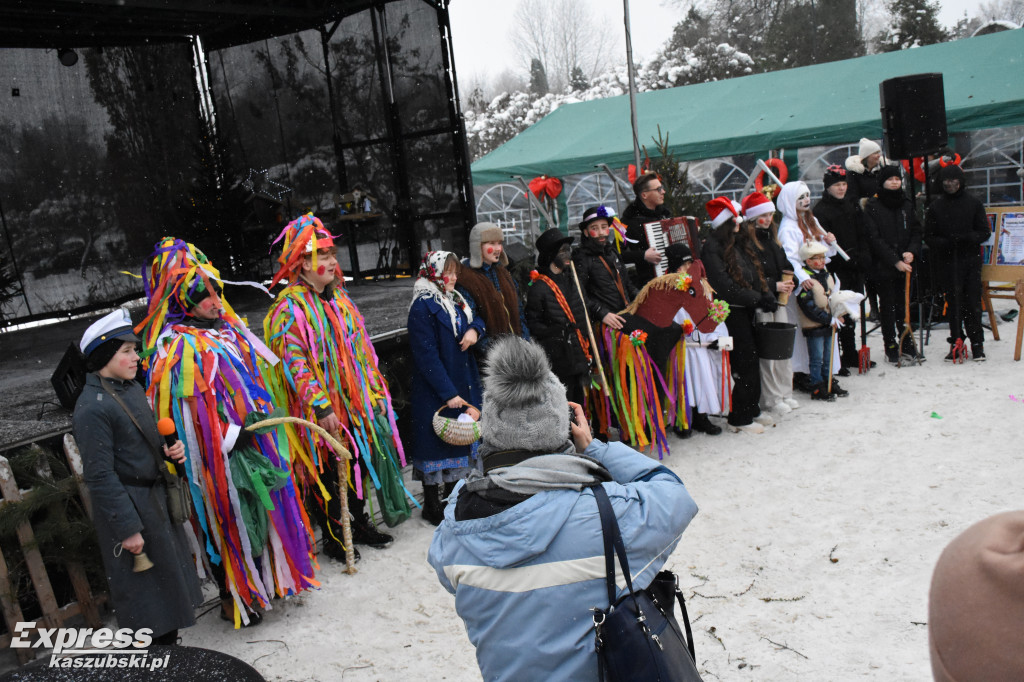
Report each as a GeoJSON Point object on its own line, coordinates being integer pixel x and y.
{"type": "Point", "coordinates": [115, 325]}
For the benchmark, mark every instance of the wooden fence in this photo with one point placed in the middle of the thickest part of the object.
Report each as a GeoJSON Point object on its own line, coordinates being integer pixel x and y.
{"type": "Point", "coordinates": [54, 615]}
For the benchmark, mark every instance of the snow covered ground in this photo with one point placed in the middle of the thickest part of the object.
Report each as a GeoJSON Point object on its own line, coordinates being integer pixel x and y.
{"type": "Point", "coordinates": [810, 558]}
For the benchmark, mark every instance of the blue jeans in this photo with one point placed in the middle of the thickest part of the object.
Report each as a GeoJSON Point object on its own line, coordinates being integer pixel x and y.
{"type": "Point", "coordinates": [816, 359]}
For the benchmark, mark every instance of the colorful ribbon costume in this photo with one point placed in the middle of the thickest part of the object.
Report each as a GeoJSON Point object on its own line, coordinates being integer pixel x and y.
{"type": "Point", "coordinates": [329, 364]}
{"type": "Point", "coordinates": [206, 376]}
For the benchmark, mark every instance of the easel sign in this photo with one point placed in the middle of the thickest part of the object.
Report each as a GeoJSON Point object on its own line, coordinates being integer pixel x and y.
{"type": "Point", "coordinates": [1003, 261]}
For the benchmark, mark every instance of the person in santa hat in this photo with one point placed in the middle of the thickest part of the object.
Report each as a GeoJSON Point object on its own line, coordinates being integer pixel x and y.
{"type": "Point", "coordinates": [776, 375]}
{"type": "Point", "coordinates": [734, 271]}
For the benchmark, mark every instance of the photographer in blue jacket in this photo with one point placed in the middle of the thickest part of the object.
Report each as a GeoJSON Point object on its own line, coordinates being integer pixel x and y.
{"type": "Point", "coordinates": [520, 546]}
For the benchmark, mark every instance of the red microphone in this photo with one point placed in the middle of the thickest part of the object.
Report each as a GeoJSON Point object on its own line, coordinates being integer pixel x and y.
{"type": "Point", "coordinates": [166, 428]}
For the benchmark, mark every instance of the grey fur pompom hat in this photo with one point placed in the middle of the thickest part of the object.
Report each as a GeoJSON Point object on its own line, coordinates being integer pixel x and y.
{"type": "Point", "coordinates": [524, 402]}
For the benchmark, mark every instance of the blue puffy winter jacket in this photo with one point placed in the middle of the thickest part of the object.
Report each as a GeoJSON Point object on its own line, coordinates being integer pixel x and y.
{"type": "Point", "coordinates": [525, 579]}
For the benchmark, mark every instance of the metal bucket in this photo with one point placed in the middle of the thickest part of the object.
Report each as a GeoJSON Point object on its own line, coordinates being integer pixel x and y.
{"type": "Point", "coordinates": [774, 340]}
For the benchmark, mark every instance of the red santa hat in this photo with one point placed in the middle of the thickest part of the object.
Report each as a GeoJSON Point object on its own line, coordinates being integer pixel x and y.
{"type": "Point", "coordinates": [721, 210]}
{"type": "Point", "coordinates": [756, 204]}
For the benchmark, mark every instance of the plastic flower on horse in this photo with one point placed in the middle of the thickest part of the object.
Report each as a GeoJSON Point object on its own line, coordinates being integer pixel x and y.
{"type": "Point", "coordinates": [684, 282]}
{"type": "Point", "coordinates": [719, 310]}
{"type": "Point", "coordinates": [638, 338]}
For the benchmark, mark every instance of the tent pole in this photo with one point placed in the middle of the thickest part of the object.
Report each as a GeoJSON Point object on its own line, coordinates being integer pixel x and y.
{"type": "Point", "coordinates": [632, 87]}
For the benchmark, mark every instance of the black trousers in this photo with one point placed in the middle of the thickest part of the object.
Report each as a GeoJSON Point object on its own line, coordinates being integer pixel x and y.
{"type": "Point", "coordinates": [329, 520]}
{"type": "Point", "coordinates": [891, 310]}
{"type": "Point", "coordinates": [963, 294]}
{"type": "Point", "coordinates": [746, 369]}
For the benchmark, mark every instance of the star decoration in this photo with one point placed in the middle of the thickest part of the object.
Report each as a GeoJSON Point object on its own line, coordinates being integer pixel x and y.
{"type": "Point", "coordinates": [260, 184]}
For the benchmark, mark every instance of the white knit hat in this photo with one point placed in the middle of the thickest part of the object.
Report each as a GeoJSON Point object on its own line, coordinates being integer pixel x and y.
{"type": "Point", "coordinates": [867, 148]}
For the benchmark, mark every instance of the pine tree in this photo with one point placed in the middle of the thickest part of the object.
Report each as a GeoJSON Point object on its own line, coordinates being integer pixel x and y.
{"type": "Point", "coordinates": [577, 81]}
{"type": "Point", "coordinates": [913, 23]}
{"type": "Point", "coordinates": [538, 78]}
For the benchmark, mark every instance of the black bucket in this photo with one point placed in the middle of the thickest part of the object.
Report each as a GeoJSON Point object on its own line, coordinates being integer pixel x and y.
{"type": "Point", "coordinates": [774, 340]}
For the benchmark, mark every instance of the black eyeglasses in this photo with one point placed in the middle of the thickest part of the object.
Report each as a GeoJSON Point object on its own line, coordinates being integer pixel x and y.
{"type": "Point", "coordinates": [659, 188]}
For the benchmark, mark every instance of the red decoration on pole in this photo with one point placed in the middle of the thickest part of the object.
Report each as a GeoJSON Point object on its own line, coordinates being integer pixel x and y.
{"type": "Point", "coordinates": [552, 187]}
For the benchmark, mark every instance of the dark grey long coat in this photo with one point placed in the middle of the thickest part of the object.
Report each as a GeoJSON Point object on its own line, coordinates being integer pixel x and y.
{"type": "Point", "coordinates": [118, 463]}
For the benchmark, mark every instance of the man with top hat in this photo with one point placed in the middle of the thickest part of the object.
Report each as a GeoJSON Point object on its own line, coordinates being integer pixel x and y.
{"type": "Point", "coordinates": [556, 314]}
{"type": "Point", "coordinates": [606, 288]}
{"type": "Point", "coordinates": [648, 207]}
{"type": "Point", "coordinates": [328, 375]}
{"type": "Point", "coordinates": [205, 372]}
{"type": "Point", "coordinates": [488, 287]}
{"type": "Point", "coordinates": [122, 456]}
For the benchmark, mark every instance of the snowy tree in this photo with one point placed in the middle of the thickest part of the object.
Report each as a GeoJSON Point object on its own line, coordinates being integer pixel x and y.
{"type": "Point", "coordinates": [577, 81]}
{"type": "Point", "coordinates": [538, 78]}
{"type": "Point", "coordinates": [912, 23]}
{"type": "Point", "coordinates": [563, 35]}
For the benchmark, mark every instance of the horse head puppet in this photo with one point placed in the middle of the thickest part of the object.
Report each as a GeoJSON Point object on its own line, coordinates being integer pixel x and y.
{"type": "Point", "coordinates": [654, 308]}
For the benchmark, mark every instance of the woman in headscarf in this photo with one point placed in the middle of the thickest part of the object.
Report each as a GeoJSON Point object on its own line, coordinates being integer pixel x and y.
{"type": "Point", "coordinates": [442, 329]}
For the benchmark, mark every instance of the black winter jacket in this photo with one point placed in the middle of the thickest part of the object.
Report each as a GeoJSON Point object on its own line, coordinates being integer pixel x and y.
{"type": "Point", "coordinates": [773, 259]}
{"type": "Point", "coordinates": [861, 185]}
{"type": "Point", "coordinates": [599, 290]}
{"type": "Point", "coordinates": [550, 326]}
{"type": "Point", "coordinates": [845, 220]}
{"type": "Point", "coordinates": [725, 286]}
{"type": "Point", "coordinates": [890, 234]}
{"type": "Point", "coordinates": [955, 224]}
{"type": "Point", "coordinates": [634, 218]}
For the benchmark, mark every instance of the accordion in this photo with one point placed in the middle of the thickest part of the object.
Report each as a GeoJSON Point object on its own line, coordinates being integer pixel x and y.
{"type": "Point", "coordinates": [681, 230]}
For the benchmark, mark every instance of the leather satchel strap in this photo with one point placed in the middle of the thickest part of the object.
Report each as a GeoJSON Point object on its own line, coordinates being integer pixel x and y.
{"type": "Point", "coordinates": [612, 538]}
{"type": "Point", "coordinates": [616, 279]}
{"type": "Point", "coordinates": [156, 454]}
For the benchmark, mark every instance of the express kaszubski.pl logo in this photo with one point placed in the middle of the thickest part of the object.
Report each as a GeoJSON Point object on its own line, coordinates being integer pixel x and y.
{"type": "Point", "coordinates": [91, 648]}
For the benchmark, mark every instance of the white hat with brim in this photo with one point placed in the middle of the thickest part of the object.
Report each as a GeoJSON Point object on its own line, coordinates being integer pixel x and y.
{"type": "Point", "coordinates": [114, 325]}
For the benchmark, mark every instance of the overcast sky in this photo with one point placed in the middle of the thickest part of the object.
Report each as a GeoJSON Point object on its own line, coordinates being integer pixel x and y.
{"type": "Point", "coordinates": [480, 29]}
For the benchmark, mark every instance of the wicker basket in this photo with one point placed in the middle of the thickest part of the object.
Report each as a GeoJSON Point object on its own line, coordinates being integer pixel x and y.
{"type": "Point", "coordinates": [453, 431]}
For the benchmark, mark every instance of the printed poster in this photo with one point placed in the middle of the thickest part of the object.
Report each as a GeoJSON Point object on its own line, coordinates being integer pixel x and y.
{"type": "Point", "coordinates": [1011, 240]}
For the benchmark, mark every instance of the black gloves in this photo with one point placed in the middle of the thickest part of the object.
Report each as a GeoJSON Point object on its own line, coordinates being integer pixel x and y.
{"type": "Point", "coordinates": [768, 303]}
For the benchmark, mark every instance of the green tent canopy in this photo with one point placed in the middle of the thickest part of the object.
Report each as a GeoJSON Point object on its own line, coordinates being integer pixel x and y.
{"type": "Point", "coordinates": [983, 80]}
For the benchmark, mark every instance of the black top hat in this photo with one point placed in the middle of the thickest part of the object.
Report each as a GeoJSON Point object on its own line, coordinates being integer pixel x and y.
{"type": "Point", "coordinates": [551, 241]}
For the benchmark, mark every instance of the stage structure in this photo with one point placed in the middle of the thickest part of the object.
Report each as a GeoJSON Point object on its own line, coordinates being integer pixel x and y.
{"type": "Point", "coordinates": [218, 123]}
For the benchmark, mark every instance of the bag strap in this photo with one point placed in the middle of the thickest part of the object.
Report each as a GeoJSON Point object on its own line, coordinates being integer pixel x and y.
{"type": "Point", "coordinates": [156, 454]}
{"type": "Point", "coordinates": [686, 623]}
{"type": "Point", "coordinates": [616, 279]}
{"type": "Point", "coordinates": [612, 538]}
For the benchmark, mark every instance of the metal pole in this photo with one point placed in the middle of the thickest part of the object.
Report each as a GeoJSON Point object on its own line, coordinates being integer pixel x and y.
{"type": "Point", "coordinates": [632, 87]}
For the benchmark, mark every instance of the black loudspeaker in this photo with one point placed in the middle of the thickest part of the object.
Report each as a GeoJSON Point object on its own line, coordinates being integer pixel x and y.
{"type": "Point", "coordinates": [913, 115]}
{"type": "Point", "coordinates": [69, 377]}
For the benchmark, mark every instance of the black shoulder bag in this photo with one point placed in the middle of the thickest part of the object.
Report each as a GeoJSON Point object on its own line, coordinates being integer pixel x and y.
{"type": "Point", "coordinates": [637, 636]}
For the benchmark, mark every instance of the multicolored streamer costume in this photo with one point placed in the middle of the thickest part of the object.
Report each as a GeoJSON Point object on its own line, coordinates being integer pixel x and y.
{"type": "Point", "coordinates": [329, 364]}
{"type": "Point", "coordinates": [649, 386]}
{"type": "Point", "coordinates": [207, 375]}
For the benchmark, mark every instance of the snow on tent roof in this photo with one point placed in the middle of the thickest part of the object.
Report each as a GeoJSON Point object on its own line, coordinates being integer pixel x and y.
{"type": "Point", "coordinates": [813, 105]}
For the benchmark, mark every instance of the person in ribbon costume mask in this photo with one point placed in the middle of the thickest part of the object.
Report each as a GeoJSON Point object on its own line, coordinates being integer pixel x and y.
{"type": "Point", "coordinates": [329, 375]}
{"type": "Point", "coordinates": [205, 371]}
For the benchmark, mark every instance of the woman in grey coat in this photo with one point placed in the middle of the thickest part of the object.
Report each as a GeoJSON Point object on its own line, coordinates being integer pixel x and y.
{"type": "Point", "coordinates": [129, 497]}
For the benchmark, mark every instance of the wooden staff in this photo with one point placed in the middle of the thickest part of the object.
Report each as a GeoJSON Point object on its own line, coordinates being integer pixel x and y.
{"type": "Point", "coordinates": [831, 357]}
{"type": "Point", "coordinates": [346, 525]}
{"type": "Point", "coordinates": [590, 331]}
{"type": "Point", "coordinates": [906, 319]}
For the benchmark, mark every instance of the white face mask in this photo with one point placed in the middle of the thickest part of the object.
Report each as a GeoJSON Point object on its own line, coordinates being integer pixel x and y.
{"type": "Point", "coordinates": [803, 202]}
